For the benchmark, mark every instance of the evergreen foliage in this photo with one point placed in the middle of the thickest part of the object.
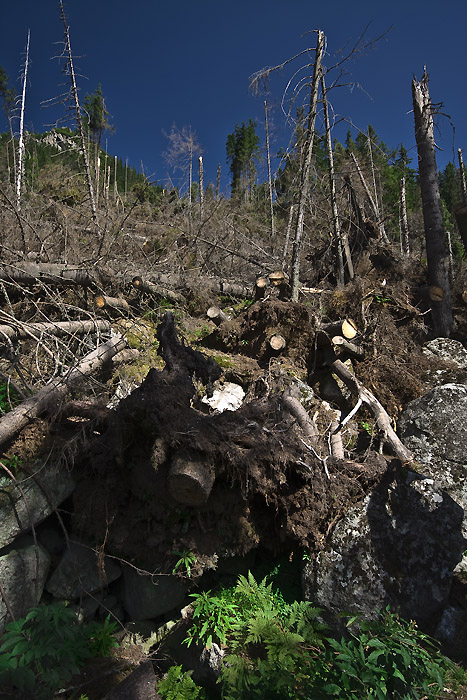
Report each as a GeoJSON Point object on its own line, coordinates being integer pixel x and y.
{"type": "Point", "coordinates": [242, 148]}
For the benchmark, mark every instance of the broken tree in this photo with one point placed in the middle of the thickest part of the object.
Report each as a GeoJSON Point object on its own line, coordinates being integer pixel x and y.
{"type": "Point", "coordinates": [436, 250]}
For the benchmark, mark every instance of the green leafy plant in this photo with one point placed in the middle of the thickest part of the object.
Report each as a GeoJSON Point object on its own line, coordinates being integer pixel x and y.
{"type": "Point", "coordinates": [12, 463]}
{"type": "Point", "coordinates": [278, 650]}
{"type": "Point", "coordinates": [213, 617]}
{"type": "Point", "coordinates": [388, 658]}
{"type": "Point", "coordinates": [185, 563]}
{"type": "Point", "coordinates": [41, 651]}
{"type": "Point", "coordinates": [367, 427]}
{"type": "Point", "coordinates": [178, 685]}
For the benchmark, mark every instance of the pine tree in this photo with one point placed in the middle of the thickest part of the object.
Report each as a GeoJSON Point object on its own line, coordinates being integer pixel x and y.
{"type": "Point", "coordinates": [242, 147]}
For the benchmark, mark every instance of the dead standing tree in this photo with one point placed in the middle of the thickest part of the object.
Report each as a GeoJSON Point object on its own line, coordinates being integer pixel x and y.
{"type": "Point", "coordinates": [436, 251]}
{"type": "Point", "coordinates": [262, 76]}
{"type": "Point", "coordinates": [70, 70]}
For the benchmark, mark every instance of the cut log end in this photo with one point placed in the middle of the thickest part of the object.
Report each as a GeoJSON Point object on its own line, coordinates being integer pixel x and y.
{"type": "Point", "coordinates": [216, 315]}
{"type": "Point", "coordinates": [277, 342]}
{"type": "Point", "coordinates": [436, 293]}
{"type": "Point", "coordinates": [190, 479]}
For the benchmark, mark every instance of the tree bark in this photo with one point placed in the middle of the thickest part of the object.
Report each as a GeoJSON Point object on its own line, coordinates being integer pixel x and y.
{"type": "Point", "coordinates": [28, 273]}
{"type": "Point", "coordinates": [161, 292]}
{"type": "Point", "coordinates": [52, 393]}
{"type": "Point", "coordinates": [436, 252]}
{"type": "Point", "coordinates": [111, 303]}
{"type": "Point", "coordinates": [17, 329]}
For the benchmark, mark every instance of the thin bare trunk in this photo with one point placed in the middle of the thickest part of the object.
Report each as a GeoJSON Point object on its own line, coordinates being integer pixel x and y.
{"type": "Point", "coordinates": [375, 190]}
{"type": "Point", "coordinates": [79, 120]}
{"type": "Point", "coordinates": [436, 252]}
{"type": "Point", "coordinates": [305, 175]}
{"type": "Point", "coordinates": [338, 238]}
{"type": "Point", "coordinates": [218, 182]}
{"type": "Point", "coordinates": [403, 221]}
{"type": "Point", "coordinates": [287, 235]}
{"type": "Point", "coordinates": [20, 172]}
{"type": "Point", "coordinates": [201, 188]}
{"type": "Point", "coordinates": [373, 204]}
{"type": "Point", "coordinates": [115, 178]}
{"type": "Point", "coordinates": [462, 175]}
{"type": "Point", "coordinates": [271, 203]}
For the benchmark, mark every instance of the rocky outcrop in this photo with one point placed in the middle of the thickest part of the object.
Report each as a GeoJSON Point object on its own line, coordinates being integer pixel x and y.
{"type": "Point", "coordinates": [23, 573]}
{"type": "Point", "coordinates": [398, 547]}
{"type": "Point", "coordinates": [434, 427]}
{"type": "Point", "coordinates": [22, 507]}
{"type": "Point", "coordinates": [81, 571]}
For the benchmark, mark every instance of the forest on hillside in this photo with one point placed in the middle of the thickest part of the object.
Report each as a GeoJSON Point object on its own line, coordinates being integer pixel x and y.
{"type": "Point", "coordinates": [132, 312]}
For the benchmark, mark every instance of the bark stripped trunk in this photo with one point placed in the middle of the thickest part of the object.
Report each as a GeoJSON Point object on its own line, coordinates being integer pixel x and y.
{"type": "Point", "coordinates": [201, 189]}
{"type": "Point", "coordinates": [404, 224]}
{"type": "Point", "coordinates": [306, 170]}
{"type": "Point", "coordinates": [20, 173]}
{"type": "Point", "coordinates": [79, 121]}
{"type": "Point", "coordinates": [271, 205]}
{"type": "Point", "coordinates": [436, 252]}
{"type": "Point", "coordinates": [339, 241]}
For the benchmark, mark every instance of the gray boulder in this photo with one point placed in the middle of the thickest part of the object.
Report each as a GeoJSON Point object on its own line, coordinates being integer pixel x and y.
{"type": "Point", "coordinates": [398, 547]}
{"type": "Point", "coordinates": [23, 573]}
{"type": "Point", "coordinates": [453, 365]}
{"type": "Point", "coordinates": [30, 505]}
{"type": "Point", "coordinates": [146, 597]}
{"type": "Point", "coordinates": [448, 350]}
{"type": "Point", "coordinates": [80, 571]}
{"type": "Point", "coordinates": [434, 427]}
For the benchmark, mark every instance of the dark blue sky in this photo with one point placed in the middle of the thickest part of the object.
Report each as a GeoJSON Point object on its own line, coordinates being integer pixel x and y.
{"type": "Point", "coordinates": [188, 63]}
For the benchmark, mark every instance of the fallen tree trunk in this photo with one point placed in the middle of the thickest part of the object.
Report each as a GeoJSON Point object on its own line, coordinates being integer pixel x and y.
{"type": "Point", "coordinates": [382, 419]}
{"type": "Point", "coordinates": [28, 273]}
{"type": "Point", "coordinates": [350, 348]}
{"type": "Point", "coordinates": [345, 328]}
{"type": "Point", "coordinates": [52, 393]}
{"type": "Point", "coordinates": [185, 282]}
{"type": "Point", "coordinates": [190, 479]}
{"type": "Point", "coordinates": [24, 330]}
{"type": "Point", "coordinates": [111, 303]}
{"type": "Point", "coordinates": [161, 292]}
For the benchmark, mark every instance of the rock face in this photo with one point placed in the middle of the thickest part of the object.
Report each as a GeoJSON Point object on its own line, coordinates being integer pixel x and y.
{"type": "Point", "coordinates": [23, 573]}
{"type": "Point", "coordinates": [80, 571]}
{"type": "Point", "coordinates": [447, 349]}
{"type": "Point", "coordinates": [398, 547]}
{"type": "Point", "coordinates": [20, 510]}
{"type": "Point", "coordinates": [434, 427]}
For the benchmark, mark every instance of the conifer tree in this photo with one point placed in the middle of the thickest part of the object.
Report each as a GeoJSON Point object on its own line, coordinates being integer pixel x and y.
{"type": "Point", "coordinates": [242, 147]}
